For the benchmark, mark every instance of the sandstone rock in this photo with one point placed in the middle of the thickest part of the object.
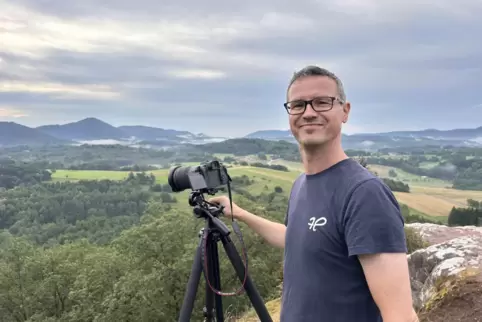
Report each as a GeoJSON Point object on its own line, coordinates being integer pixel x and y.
{"type": "Point", "coordinates": [435, 234]}
{"type": "Point", "coordinates": [455, 250]}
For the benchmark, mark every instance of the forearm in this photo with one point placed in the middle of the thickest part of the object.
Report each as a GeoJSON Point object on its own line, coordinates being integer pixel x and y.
{"type": "Point", "coordinates": [272, 232]}
{"type": "Point", "coordinates": [392, 318]}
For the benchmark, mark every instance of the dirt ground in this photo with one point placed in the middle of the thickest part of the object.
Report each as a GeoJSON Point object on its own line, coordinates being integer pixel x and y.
{"type": "Point", "coordinates": [462, 304]}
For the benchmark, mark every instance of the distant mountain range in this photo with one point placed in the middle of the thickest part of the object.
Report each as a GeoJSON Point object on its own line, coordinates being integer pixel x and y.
{"type": "Point", "coordinates": [95, 131]}
{"type": "Point", "coordinates": [92, 130]}
{"type": "Point", "coordinates": [456, 137]}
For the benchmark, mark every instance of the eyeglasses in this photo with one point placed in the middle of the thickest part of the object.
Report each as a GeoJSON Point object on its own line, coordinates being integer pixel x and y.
{"type": "Point", "coordinates": [318, 104]}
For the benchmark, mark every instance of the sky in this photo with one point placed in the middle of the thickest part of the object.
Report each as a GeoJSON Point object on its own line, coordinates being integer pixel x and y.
{"type": "Point", "coordinates": [222, 67]}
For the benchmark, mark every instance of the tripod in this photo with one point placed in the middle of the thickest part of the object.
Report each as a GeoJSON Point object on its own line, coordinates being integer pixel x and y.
{"type": "Point", "coordinates": [218, 231]}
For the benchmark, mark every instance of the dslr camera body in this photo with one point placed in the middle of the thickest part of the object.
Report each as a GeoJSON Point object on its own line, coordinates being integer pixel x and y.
{"type": "Point", "coordinates": [205, 178]}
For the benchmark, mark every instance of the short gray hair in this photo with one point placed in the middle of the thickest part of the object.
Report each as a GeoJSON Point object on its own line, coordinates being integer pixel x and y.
{"type": "Point", "coordinates": [318, 71]}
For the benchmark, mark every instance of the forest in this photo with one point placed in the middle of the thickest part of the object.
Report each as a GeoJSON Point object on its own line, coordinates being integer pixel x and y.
{"type": "Point", "coordinates": [105, 250]}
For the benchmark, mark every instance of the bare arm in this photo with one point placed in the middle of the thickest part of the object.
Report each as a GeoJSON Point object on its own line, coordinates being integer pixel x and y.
{"type": "Point", "coordinates": [273, 232]}
{"type": "Point", "coordinates": [388, 278]}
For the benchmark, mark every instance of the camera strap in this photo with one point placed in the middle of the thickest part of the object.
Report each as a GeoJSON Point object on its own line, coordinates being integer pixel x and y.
{"type": "Point", "coordinates": [238, 233]}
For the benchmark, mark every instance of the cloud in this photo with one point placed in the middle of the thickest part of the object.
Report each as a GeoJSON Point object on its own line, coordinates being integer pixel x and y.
{"type": "Point", "coordinates": [405, 64]}
{"type": "Point", "coordinates": [6, 112]}
{"type": "Point", "coordinates": [59, 91]}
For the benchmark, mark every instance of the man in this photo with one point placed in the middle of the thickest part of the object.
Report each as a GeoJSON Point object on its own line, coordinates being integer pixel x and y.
{"type": "Point", "coordinates": [343, 238]}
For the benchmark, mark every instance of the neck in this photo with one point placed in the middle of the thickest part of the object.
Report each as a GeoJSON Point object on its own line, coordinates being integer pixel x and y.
{"type": "Point", "coordinates": [319, 158]}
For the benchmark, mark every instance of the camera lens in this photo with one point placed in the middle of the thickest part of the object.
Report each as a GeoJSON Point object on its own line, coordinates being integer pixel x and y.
{"type": "Point", "coordinates": [178, 178]}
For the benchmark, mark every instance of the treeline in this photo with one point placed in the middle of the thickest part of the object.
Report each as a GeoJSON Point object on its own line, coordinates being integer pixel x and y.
{"type": "Point", "coordinates": [278, 167]}
{"type": "Point", "coordinates": [468, 216]}
{"type": "Point", "coordinates": [13, 174]}
{"type": "Point", "coordinates": [469, 178]}
{"type": "Point", "coordinates": [113, 166]}
{"type": "Point", "coordinates": [104, 157]}
{"type": "Point", "coordinates": [243, 147]}
{"type": "Point", "coordinates": [396, 185]}
{"type": "Point", "coordinates": [443, 153]}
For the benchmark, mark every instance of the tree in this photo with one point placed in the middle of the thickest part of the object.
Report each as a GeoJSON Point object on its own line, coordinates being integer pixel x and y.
{"type": "Point", "coordinates": [465, 217]}
{"type": "Point", "coordinates": [474, 203]}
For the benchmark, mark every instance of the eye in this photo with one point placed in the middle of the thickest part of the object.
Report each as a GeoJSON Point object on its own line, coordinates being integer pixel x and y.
{"type": "Point", "coordinates": [322, 101]}
{"type": "Point", "coordinates": [297, 104]}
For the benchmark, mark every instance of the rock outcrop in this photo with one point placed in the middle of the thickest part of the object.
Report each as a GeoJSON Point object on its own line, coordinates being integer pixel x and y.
{"type": "Point", "coordinates": [453, 250]}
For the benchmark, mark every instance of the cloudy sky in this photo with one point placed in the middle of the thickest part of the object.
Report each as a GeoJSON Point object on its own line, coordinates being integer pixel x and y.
{"type": "Point", "coordinates": [221, 67]}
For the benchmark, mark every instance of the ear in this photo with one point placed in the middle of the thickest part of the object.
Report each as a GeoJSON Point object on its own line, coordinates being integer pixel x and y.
{"type": "Point", "coordinates": [346, 111]}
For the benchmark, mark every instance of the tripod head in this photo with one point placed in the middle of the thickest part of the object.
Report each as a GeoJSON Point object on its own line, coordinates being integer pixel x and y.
{"type": "Point", "coordinates": [208, 211]}
{"type": "Point", "coordinates": [196, 200]}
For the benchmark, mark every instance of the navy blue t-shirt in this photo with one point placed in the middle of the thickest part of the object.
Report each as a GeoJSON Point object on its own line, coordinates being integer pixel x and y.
{"type": "Point", "coordinates": [333, 216]}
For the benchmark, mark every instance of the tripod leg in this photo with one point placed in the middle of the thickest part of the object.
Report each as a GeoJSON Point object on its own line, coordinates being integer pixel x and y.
{"type": "Point", "coordinates": [192, 286]}
{"type": "Point", "coordinates": [216, 277]}
{"type": "Point", "coordinates": [251, 290]}
{"type": "Point", "coordinates": [209, 306]}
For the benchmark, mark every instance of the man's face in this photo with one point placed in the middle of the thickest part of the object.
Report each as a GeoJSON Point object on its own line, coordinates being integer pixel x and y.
{"type": "Point", "coordinates": [316, 128]}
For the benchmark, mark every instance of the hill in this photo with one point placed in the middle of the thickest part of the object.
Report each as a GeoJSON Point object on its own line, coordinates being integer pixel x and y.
{"type": "Point", "coordinates": [271, 134]}
{"type": "Point", "coordinates": [83, 130]}
{"type": "Point", "coordinates": [247, 146]}
{"type": "Point", "coordinates": [454, 134]}
{"type": "Point", "coordinates": [13, 134]}
{"type": "Point", "coordinates": [457, 134]}
{"type": "Point", "coordinates": [153, 133]}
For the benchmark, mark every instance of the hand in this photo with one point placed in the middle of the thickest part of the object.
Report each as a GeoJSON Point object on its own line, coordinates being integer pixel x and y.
{"type": "Point", "coordinates": [224, 201]}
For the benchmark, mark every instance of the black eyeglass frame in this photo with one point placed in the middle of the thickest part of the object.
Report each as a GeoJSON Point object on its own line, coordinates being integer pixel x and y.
{"type": "Point", "coordinates": [306, 102]}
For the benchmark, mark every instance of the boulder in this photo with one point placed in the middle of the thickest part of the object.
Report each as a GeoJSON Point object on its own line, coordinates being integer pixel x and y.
{"type": "Point", "coordinates": [453, 250]}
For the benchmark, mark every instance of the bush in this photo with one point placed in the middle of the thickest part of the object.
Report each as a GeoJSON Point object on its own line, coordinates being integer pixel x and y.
{"type": "Point", "coordinates": [414, 240]}
{"type": "Point", "coordinates": [395, 185]}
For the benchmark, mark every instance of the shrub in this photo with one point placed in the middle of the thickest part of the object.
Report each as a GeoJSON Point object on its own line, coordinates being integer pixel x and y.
{"type": "Point", "coordinates": [414, 240]}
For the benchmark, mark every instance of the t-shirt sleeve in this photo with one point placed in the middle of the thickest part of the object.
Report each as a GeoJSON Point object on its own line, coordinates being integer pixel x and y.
{"type": "Point", "coordinates": [294, 187]}
{"type": "Point", "coordinates": [373, 222]}
{"type": "Point", "coordinates": [286, 217]}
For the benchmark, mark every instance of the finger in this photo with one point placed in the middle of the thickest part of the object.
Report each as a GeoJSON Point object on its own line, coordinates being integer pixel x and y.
{"type": "Point", "coordinates": [216, 200]}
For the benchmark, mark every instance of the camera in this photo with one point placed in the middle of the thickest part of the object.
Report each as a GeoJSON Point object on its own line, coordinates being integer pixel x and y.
{"type": "Point", "coordinates": [204, 178]}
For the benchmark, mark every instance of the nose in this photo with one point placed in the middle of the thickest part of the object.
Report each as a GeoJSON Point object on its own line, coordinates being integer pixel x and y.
{"type": "Point", "coordinates": [309, 111]}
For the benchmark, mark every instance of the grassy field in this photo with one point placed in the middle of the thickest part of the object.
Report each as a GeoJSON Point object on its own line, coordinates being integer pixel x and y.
{"type": "Point", "coordinates": [75, 175]}
{"type": "Point", "coordinates": [436, 201]}
{"type": "Point", "coordinates": [266, 179]}
{"type": "Point", "coordinates": [428, 195]}
{"type": "Point", "coordinates": [410, 179]}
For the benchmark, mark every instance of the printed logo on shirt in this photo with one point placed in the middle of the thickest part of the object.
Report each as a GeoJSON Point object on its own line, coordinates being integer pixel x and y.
{"type": "Point", "coordinates": [316, 222]}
